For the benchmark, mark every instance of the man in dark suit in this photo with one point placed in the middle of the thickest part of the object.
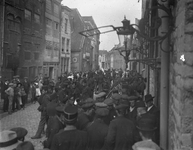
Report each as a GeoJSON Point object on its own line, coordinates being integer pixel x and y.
{"type": "Point", "coordinates": [132, 112]}
{"type": "Point", "coordinates": [152, 109]}
{"type": "Point", "coordinates": [121, 131]}
{"type": "Point", "coordinates": [43, 101]}
{"type": "Point", "coordinates": [70, 138]}
{"type": "Point", "coordinates": [55, 124]}
{"type": "Point", "coordinates": [97, 130]}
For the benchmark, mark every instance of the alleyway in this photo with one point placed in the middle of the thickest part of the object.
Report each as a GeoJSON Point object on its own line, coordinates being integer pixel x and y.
{"type": "Point", "coordinates": [27, 118]}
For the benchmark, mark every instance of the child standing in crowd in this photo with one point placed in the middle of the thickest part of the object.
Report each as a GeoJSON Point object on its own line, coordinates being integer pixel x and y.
{"type": "Point", "coordinates": [18, 95]}
{"type": "Point", "coordinates": [10, 93]}
{"type": "Point", "coordinates": [23, 96]}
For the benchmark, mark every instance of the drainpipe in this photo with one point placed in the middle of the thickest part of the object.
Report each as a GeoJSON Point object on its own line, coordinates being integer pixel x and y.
{"type": "Point", "coordinates": [164, 85]}
{"type": "Point", "coordinates": [2, 35]}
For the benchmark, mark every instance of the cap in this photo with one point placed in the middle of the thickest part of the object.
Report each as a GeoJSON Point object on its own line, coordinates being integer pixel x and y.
{"type": "Point", "coordinates": [133, 98]}
{"type": "Point", "coordinates": [70, 114]}
{"type": "Point", "coordinates": [148, 98]}
{"type": "Point", "coordinates": [26, 145]}
{"type": "Point", "coordinates": [60, 109]}
{"type": "Point", "coordinates": [121, 106]}
{"type": "Point", "coordinates": [102, 111]}
{"type": "Point", "coordinates": [108, 101]}
{"type": "Point", "coordinates": [116, 96]}
{"type": "Point", "coordinates": [89, 100]}
{"type": "Point", "coordinates": [8, 140]}
{"type": "Point", "coordinates": [101, 105]}
{"type": "Point", "coordinates": [140, 104]}
{"type": "Point", "coordinates": [11, 84]}
{"type": "Point", "coordinates": [21, 132]}
{"type": "Point", "coordinates": [146, 124]}
{"type": "Point", "coordinates": [125, 97]}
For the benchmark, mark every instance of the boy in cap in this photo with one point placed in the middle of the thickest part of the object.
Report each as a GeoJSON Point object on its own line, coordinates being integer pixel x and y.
{"type": "Point", "coordinates": [97, 130]}
{"type": "Point", "coordinates": [70, 138]}
{"type": "Point", "coordinates": [121, 131]}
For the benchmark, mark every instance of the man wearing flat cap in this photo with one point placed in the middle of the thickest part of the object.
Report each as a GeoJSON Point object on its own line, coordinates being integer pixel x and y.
{"type": "Point", "coordinates": [55, 124]}
{"type": "Point", "coordinates": [97, 130]}
{"type": "Point", "coordinates": [132, 111]}
{"type": "Point", "coordinates": [43, 101]}
{"type": "Point", "coordinates": [121, 131]}
{"type": "Point", "coordinates": [70, 138]}
{"type": "Point", "coordinates": [112, 112]}
{"type": "Point", "coordinates": [86, 115]}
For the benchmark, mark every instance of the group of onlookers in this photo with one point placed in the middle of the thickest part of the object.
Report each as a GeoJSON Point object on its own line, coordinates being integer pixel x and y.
{"type": "Point", "coordinates": [14, 93]}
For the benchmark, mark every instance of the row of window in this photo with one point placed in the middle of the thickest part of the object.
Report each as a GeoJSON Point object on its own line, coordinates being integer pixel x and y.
{"type": "Point", "coordinates": [49, 7]}
{"type": "Point", "coordinates": [65, 45]}
{"type": "Point", "coordinates": [28, 16]}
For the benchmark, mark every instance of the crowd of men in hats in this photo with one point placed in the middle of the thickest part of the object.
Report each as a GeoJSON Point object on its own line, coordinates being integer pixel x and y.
{"type": "Point", "coordinates": [97, 111]}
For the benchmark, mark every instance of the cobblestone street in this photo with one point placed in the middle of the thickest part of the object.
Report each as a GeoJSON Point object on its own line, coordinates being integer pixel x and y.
{"type": "Point", "coordinates": [27, 118]}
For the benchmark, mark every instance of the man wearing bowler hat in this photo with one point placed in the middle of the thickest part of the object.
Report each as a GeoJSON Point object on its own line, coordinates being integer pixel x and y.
{"type": "Point", "coordinates": [152, 109]}
{"type": "Point", "coordinates": [121, 131]}
{"type": "Point", "coordinates": [70, 138]}
{"type": "Point", "coordinates": [146, 129]}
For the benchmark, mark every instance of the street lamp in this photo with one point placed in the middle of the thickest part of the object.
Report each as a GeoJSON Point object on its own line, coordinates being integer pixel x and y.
{"type": "Point", "coordinates": [125, 33]}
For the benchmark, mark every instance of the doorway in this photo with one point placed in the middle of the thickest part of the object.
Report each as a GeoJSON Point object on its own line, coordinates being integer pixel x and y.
{"type": "Point", "coordinates": [51, 72]}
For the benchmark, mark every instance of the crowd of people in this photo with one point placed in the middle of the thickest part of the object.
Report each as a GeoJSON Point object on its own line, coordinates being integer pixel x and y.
{"type": "Point", "coordinates": [102, 110]}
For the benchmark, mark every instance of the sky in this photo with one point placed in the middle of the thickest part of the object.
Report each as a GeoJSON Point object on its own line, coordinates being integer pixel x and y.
{"type": "Point", "coordinates": [107, 12]}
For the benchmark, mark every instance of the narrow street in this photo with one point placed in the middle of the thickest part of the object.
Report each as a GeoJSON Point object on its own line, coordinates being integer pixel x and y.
{"type": "Point", "coordinates": [27, 118]}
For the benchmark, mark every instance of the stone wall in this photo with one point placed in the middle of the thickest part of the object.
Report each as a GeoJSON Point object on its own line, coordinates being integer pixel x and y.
{"type": "Point", "coordinates": [181, 79]}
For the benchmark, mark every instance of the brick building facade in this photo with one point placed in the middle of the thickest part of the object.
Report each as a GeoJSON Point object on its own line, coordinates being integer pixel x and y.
{"type": "Point", "coordinates": [23, 38]}
{"type": "Point", "coordinates": [172, 84]}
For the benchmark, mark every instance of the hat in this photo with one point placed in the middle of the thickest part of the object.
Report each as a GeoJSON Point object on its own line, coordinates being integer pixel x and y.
{"type": "Point", "coordinates": [8, 140]}
{"type": "Point", "coordinates": [125, 97]}
{"type": "Point", "coordinates": [70, 114]}
{"type": "Point", "coordinates": [16, 76]}
{"type": "Point", "coordinates": [26, 145]}
{"type": "Point", "coordinates": [102, 111]}
{"type": "Point", "coordinates": [148, 98]}
{"type": "Point", "coordinates": [60, 109]}
{"type": "Point", "coordinates": [89, 102]}
{"type": "Point", "coordinates": [121, 106]}
{"type": "Point", "coordinates": [21, 133]}
{"type": "Point", "coordinates": [99, 95]}
{"type": "Point", "coordinates": [116, 96]}
{"type": "Point", "coordinates": [133, 98]}
{"type": "Point", "coordinates": [101, 105]}
{"type": "Point", "coordinates": [25, 77]}
{"type": "Point", "coordinates": [108, 101]}
{"type": "Point", "coordinates": [140, 104]}
{"type": "Point", "coordinates": [11, 84]}
{"type": "Point", "coordinates": [146, 124]}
